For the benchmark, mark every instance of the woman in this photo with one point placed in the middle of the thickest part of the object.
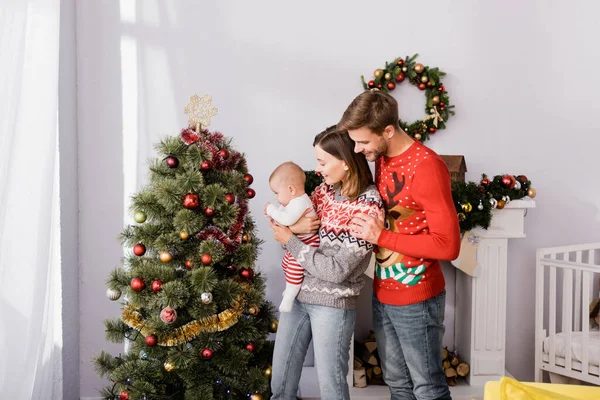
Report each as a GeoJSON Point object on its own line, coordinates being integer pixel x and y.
{"type": "Point", "coordinates": [324, 310]}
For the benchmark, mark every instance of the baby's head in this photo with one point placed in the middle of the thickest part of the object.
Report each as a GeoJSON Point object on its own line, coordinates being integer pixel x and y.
{"type": "Point", "coordinates": [287, 182]}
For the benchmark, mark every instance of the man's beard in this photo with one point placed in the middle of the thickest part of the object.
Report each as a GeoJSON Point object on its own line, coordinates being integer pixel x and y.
{"type": "Point", "coordinates": [378, 152]}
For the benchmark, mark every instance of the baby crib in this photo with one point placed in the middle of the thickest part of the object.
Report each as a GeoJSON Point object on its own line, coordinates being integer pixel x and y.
{"type": "Point", "coordinates": [567, 341]}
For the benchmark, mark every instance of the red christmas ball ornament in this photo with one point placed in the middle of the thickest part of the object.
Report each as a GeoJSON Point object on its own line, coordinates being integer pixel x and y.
{"type": "Point", "coordinates": [522, 178]}
{"type": "Point", "coordinates": [432, 129]}
{"type": "Point", "coordinates": [508, 181]}
{"type": "Point", "coordinates": [188, 264]}
{"type": "Point", "coordinates": [151, 340]}
{"type": "Point", "coordinates": [139, 249]}
{"type": "Point", "coordinates": [223, 153]}
{"type": "Point", "coordinates": [441, 89]}
{"type": "Point", "coordinates": [442, 104]}
{"type": "Point", "coordinates": [191, 201]}
{"type": "Point", "coordinates": [207, 353]}
{"type": "Point", "coordinates": [400, 62]}
{"type": "Point", "coordinates": [251, 193]}
{"type": "Point", "coordinates": [485, 181]}
{"type": "Point", "coordinates": [391, 85]}
{"type": "Point", "coordinates": [249, 179]}
{"type": "Point", "coordinates": [379, 86]}
{"type": "Point", "coordinates": [124, 395]}
{"type": "Point", "coordinates": [172, 162]}
{"type": "Point", "coordinates": [371, 84]}
{"type": "Point", "coordinates": [429, 84]}
{"type": "Point", "coordinates": [209, 212]}
{"type": "Point", "coordinates": [137, 284]}
{"type": "Point", "coordinates": [230, 267]}
{"type": "Point", "coordinates": [205, 165]}
{"type": "Point", "coordinates": [422, 86]}
{"type": "Point", "coordinates": [156, 285]}
{"type": "Point", "coordinates": [206, 258]}
{"type": "Point", "coordinates": [250, 347]}
{"type": "Point", "coordinates": [247, 273]}
{"type": "Point", "coordinates": [230, 198]}
{"type": "Point", "coordinates": [400, 77]}
{"type": "Point", "coordinates": [442, 108]}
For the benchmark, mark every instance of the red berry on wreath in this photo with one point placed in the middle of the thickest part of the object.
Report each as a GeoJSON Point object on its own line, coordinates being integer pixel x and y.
{"type": "Point", "coordinates": [249, 179]}
{"type": "Point", "coordinates": [230, 198]}
{"type": "Point", "coordinates": [139, 249]}
{"type": "Point", "coordinates": [191, 201]}
{"type": "Point", "coordinates": [422, 86]}
{"type": "Point", "coordinates": [207, 353]}
{"type": "Point", "coordinates": [441, 88]}
{"type": "Point", "coordinates": [442, 104]}
{"type": "Point", "coordinates": [156, 285]}
{"type": "Point", "coordinates": [209, 212]}
{"type": "Point", "coordinates": [432, 129]}
{"type": "Point", "coordinates": [371, 84]}
{"type": "Point", "coordinates": [151, 340]}
{"type": "Point", "coordinates": [251, 193]}
{"type": "Point", "coordinates": [442, 108]}
{"type": "Point", "coordinates": [391, 85]}
{"type": "Point", "coordinates": [137, 284]}
{"type": "Point", "coordinates": [223, 153]}
{"type": "Point", "coordinates": [172, 162]}
{"type": "Point", "coordinates": [205, 165]}
{"type": "Point", "coordinates": [250, 347]}
{"type": "Point", "coordinates": [206, 258]}
{"type": "Point", "coordinates": [400, 77]}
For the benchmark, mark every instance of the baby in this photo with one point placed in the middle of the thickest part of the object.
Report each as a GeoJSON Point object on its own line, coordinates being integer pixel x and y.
{"type": "Point", "coordinates": [287, 183]}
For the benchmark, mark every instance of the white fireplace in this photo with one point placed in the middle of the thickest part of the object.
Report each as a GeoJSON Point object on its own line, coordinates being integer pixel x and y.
{"type": "Point", "coordinates": [475, 312]}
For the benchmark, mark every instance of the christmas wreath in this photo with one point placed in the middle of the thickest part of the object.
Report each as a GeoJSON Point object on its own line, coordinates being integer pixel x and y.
{"type": "Point", "coordinates": [427, 79]}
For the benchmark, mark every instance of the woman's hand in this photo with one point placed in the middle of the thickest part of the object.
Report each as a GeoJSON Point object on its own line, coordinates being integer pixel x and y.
{"type": "Point", "coordinates": [281, 233]}
{"type": "Point", "coordinates": [306, 224]}
{"type": "Point", "coordinates": [265, 210]}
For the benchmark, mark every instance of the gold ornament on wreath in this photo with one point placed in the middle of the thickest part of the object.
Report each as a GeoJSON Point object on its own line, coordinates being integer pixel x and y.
{"type": "Point", "coordinates": [428, 79]}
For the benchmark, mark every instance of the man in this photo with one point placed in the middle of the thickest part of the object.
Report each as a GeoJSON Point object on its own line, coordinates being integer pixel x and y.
{"type": "Point", "coordinates": [419, 229]}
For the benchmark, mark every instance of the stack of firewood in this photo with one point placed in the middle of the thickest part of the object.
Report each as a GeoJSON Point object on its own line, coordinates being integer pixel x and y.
{"type": "Point", "coordinates": [367, 358]}
{"type": "Point", "coordinates": [453, 367]}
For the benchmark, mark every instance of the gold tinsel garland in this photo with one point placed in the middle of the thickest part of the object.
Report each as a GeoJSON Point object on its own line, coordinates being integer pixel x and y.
{"type": "Point", "coordinates": [215, 323]}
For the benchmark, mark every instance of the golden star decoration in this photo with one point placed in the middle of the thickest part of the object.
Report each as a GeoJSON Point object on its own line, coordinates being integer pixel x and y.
{"type": "Point", "coordinates": [200, 110]}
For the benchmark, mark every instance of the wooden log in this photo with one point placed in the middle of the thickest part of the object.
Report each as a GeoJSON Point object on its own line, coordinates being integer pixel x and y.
{"type": "Point", "coordinates": [463, 369]}
{"type": "Point", "coordinates": [371, 345]}
{"type": "Point", "coordinates": [450, 372]}
{"type": "Point", "coordinates": [444, 353]}
{"type": "Point", "coordinates": [451, 381]}
{"type": "Point", "coordinates": [446, 364]}
{"type": "Point", "coordinates": [360, 378]}
{"type": "Point", "coordinates": [358, 363]}
{"type": "Point", "coordinates": [454, 361]}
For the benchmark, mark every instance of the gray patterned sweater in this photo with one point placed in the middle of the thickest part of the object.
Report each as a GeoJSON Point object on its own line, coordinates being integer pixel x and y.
{"type": "Point", "coordinates": [333, 271]}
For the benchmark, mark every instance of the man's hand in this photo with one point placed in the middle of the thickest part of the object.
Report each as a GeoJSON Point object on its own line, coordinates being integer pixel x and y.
{"type": "Point", "coordinates": [367, 227]}
{"type": "Point", "coordinates": [306, 224]}
{"type": "Point", "coordinates": [281, 233]}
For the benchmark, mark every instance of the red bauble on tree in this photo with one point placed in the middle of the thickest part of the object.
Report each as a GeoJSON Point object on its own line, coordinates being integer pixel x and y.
{"type": "Point", "coordinates": [151, 340]}
{"type": "Point", "coordinates": [508, 181]}
{"type": "Point", "coordinates": [191, 201]}
{"type": "Point", "coordinates": [223, 153]}
{"type": "Point", "coordinates": [137, 284]}
{"type": "Point", "coordinates": [206, 259]}
{"type": "Point", "coordinates": [249, 179]}
{"type": "Point", "coordinates": [156, 285]}
{"type": "Point", "coordinates": [124, 395]}
{"type": "Point", "coordinates": [188, 264]}
{"type": "Point", "coordinates": [485, 181]}
{"type": "Point", "coordinates": [230, 198]}
{"type": "Point", "coordinates": [207, 353]}
{"type": "Point", "coordinates": [139, 249]}
{"type": "Point", "coordinates": [247, 273]}
{"type": "Point", "coordinates": [251, 193]}
{"type": "Point", "coordinates": [250, 347]}
{"type": "Point", "coordinates": [172, 162]}
{"type": "Point", "coordinates": [205, 165]}
{"type": "Point", "coordinates": [209, 212]}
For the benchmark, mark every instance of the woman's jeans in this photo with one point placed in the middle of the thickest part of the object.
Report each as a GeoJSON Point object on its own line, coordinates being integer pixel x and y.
{"type": "Point", "coordinates": [409, 342]}
{"type": "Point", "coordinates": [331, 331]}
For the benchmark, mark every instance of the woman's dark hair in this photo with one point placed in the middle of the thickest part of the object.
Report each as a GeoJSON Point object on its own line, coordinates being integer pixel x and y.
{"type": "Point", "coordinates": [338, 144]}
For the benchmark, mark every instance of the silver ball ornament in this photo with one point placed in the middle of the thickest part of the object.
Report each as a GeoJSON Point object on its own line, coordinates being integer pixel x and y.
{"type": "Point", "coordinates": [206, 298]}
{"type": "Point", "coordinates": [113, 294]}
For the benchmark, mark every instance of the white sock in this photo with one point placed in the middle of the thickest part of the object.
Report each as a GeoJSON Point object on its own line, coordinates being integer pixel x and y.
{"type": "Point", "coordinates": [289, 295]}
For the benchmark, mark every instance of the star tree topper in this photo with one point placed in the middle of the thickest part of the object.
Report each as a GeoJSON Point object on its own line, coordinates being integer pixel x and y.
{"type": "Point", "coordinates": [199, 111]}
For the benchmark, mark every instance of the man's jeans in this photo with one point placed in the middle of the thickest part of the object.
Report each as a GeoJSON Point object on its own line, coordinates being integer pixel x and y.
{"type": "Point", "coordinates": [331, 331]}
{"type": "Point", "coordinates": [409, 341]}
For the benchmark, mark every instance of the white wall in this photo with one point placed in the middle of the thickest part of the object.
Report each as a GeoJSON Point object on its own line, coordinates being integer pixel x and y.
{"type": "Point", "coordinates": [521, 74]}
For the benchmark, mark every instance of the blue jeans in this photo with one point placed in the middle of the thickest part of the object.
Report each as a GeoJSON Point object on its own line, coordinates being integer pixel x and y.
{"type": "Point", "coordinates": [331, 331]}
{"type": "Point", "coordinates": [409, 341]}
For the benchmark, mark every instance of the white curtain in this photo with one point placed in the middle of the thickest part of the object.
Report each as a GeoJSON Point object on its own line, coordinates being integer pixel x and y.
{"type": "Point", "coordinates": [30, 280]}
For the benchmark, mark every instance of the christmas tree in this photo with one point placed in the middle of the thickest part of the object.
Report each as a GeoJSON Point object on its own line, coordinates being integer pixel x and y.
{"type": "Point", "coordinates": [194, 310]}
